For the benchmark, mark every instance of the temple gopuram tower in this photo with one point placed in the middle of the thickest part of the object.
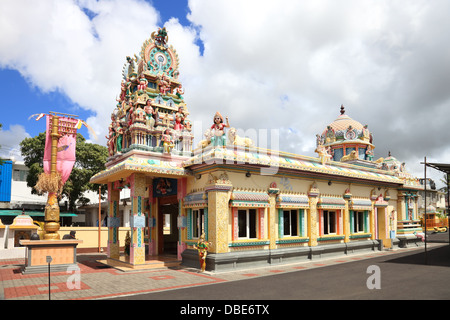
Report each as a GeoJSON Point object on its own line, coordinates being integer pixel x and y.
{"type": "Point", "coordinates": [151, 114]}
{"type": "Point", "coordinates": [149, 137]}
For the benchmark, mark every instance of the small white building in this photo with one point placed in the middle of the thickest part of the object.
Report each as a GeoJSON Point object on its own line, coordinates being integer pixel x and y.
{"type": "Point", "coordinates": [22, 228]}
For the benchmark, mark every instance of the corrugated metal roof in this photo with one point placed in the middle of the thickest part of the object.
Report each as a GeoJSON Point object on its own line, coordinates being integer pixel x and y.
{"type": "Point", "coordinates": [5, 181]}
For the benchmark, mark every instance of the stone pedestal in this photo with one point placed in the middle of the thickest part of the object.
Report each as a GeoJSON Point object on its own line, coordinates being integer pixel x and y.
{"type": "Point", "coordinates": [63, 253]}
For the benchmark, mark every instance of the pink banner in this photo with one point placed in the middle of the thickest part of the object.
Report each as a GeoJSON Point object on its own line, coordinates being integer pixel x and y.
{"type": "Point", "coordinates": [65, 158]}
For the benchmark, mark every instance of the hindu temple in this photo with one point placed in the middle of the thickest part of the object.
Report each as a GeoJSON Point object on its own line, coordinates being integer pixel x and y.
{"type": "Point", "coordinates": [253, 206]}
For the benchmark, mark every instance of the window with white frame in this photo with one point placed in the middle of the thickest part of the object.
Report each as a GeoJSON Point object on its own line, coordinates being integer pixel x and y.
{"type": "Point", "coordinates": [290, 223]}
{"type": "Point", "coordinates": [358, 221]}
{"type": "Point", "coordinates": [329, 222]}
{"type": "Point", "coordinates": [247, 223]}
{"type": "Point", "coordinates": [198, 222]}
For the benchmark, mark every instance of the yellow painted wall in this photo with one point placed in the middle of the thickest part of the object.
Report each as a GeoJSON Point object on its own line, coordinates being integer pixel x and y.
{"type": "Point", "coordinates": [296, 184]}
{"type": "Point", "coordinates": [89, 235]}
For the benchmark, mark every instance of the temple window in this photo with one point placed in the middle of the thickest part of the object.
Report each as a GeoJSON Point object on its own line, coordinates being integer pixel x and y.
{"type": "Point", "coordinates": [358, 221]}
{"type": "Point", "coordinates": [247, 223]}
{"type": "Point", "coordinates": [198, 222]}
{"type": "Point", "coordinates": [349, 150]}
{"type": "Point", "coordinates": [170, 103]}
{"type": "Point", "coordinates": [338, 154]}
{"type": "Point", "coordinates": [329, 222]}
{"type": "Point", "coordinates": [159, 100]}
{"type": "Point", "coordinates": [362, 153]}
{"type": "Point", "coordinates": [291, 223]}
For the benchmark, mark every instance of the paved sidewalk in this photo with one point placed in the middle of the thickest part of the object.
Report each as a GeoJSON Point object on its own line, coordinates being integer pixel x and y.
{"type": "Point", "coordinates": [97, 281]}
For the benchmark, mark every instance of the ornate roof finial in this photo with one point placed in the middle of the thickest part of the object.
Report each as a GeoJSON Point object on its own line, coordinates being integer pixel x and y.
{"type": "Point", "coordinates": [342, 109]}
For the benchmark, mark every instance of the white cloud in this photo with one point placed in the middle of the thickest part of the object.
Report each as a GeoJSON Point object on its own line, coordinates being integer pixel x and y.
{"type": "Point", "coordinates": [9, 141]}
{"type": "Point", "coordinates": [368, 55]}
{"type": "Point", "coordinates": [265, 64]}
{"type": "Point", "coordinates": [56, 46]}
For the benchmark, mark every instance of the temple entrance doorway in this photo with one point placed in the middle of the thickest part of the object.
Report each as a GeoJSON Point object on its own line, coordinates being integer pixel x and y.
{"type": "Point", "coordinates": [167, 225]}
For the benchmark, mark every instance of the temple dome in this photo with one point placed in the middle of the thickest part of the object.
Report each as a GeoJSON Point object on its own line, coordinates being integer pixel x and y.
{"type": "Point", "coordinates": [347, 137]}
{"type": "Point", "coordinates": [343, 122]}
{"type": "Point", "coordinates": [393, 164]}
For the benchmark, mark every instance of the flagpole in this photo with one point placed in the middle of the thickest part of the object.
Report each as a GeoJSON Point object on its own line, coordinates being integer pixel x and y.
{"type": "Point", "coordinates": [52, 180]}
{"type": "Point", "coordinates": [51, 224]}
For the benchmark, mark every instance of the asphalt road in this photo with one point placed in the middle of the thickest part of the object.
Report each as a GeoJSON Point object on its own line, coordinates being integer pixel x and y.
{"type": "Point", "coordinates": [411, 275]}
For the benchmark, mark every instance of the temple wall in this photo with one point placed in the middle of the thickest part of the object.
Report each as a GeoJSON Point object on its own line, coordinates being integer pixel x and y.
{"type": "Point", "coordinates": [269, 245]}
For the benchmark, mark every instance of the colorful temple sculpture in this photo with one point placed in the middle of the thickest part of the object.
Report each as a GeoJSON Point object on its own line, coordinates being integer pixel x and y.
{"type": "Point", "coordinates": [151, 114]}
{"type": "Point", "coordinates": [346, 140]}
{"type": "Point", "coordinates": [253, 206]}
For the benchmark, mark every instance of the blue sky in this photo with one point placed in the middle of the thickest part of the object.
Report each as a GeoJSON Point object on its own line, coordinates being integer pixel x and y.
{"type": "Point", "coordinates": [283, 65]}
{"type": "Point", "coordinates": [21, 98]}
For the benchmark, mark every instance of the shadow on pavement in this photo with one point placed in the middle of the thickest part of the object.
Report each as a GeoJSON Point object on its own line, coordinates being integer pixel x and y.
{"type": "Point", "coordinates": [437, 256]}
{"type": "Point", "coordinates": [90, 260]}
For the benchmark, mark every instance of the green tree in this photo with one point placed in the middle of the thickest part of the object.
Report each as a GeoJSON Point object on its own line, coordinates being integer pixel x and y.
{"type": "Point", "coordinates": [90, 159]}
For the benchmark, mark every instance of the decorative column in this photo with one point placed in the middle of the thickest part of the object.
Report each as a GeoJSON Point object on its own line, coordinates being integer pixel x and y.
{"type": "Point", "coordinates": [137, 218]}
{"type": "Point", "coordinates": [401, 207]}
{"type": "Point", "coordinates": [416, 207]}
{"type": "Point", "coordinates": [373, 214]}
{"type": "Point", "coordinates": [273, 215]}
{"type": "Point", "coordinates": [151, 220]}
{"type": "Point", "coordinates": [346, 218]}
{"type": "Point", "coordinates": [218, 190]}
{"type": "Point", "coordinates": [181, 193]}
{"type": "Point", "coordinates": [372, 221]}
{"type": "Point", "coordinates": [408, 207]}
{"type": "Point", "coordinates": [413, 206]}
{"type": "Point", "coordinates": [113, 221]}
{"type": "Point", "coordinates": [313, 195]}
